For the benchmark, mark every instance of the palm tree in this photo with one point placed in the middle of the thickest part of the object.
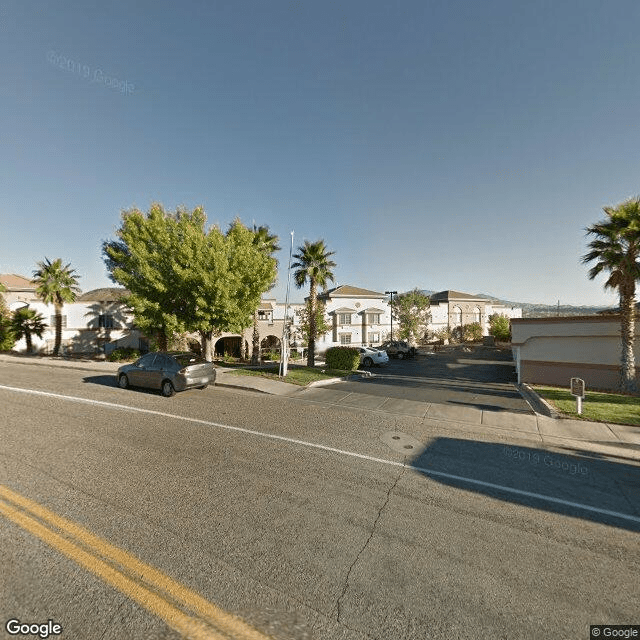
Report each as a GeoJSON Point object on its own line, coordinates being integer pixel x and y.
{"type": "Point", "coordinates": [269, 244]}
{"type": "Point", "coordinates": [27, 322]}
{"type": "Point", "coordinates": [313, 264]}
{"type": "Point", "coordinates": [616, 250]}
{"type": "Point", "coordinates": [56, 284]}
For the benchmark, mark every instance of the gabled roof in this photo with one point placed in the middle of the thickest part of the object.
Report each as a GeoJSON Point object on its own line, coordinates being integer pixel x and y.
{"type": "Point", "coordinates": [373, 310]}
{"type": "Point", "coordinates": [343, 310]}
{"type": "Point", "coordinates": [14, 281]}
{"type": "Point", "coordinates": [265, 306]}
{"type": "Point", "coordinates": [348, 291]}
{"type": "Point", "coordinates": [449, 294]}
{"type": "Point", "coordinates": [106, 294]}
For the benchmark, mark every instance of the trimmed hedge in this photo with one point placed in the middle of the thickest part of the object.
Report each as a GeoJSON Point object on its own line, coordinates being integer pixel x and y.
{"type": "Point", "coordinates": [345, 358]}
{"type": "Point", "coordinates": [123, 353]}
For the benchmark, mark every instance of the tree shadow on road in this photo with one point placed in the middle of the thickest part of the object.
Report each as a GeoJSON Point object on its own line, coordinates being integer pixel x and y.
{"type": "Point", "coordinates": [582, 485]}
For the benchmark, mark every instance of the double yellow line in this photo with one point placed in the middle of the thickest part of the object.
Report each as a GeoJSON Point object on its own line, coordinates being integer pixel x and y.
{"type": "Point", "coordinates": [182, 609]}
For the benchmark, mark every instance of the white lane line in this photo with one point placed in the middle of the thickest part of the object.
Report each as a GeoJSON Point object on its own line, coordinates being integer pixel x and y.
{"type": "Point", "coordinates": [314, 445]}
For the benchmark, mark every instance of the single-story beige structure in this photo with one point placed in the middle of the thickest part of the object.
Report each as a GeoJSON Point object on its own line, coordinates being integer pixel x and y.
{"type": "Point", "coordinates": [554, 350]}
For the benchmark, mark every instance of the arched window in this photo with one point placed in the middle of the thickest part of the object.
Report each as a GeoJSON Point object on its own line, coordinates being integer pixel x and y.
{"type": "Point", "coordinates": [456, 316]}
{"type": "Point", "coordinates": [477, 315]}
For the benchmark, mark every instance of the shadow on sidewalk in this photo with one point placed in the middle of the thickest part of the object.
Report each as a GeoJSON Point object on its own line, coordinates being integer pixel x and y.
{"type": "Point", "coordinates": [580, 486]}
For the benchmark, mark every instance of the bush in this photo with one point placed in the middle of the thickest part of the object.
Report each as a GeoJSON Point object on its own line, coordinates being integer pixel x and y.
{"type": "Point", "coordinates": [500, 328]}
{"type": "Point", "coordinates": [472, 332]}
{"type": "Point", "coordinates": [344, 358]}
{"type": "Point", "coordinates": [123, 353]}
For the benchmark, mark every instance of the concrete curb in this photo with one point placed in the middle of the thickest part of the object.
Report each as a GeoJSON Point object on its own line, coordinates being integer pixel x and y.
{"type": "Point", "coordinates": [537, 403]}
{"type": "Point", "coordinates": [351, 376]}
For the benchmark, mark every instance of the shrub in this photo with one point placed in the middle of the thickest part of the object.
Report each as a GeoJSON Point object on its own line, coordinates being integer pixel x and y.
{"type": "Point", "coordinates": [500, 327]}
{"type": "Point", "coordinates": [344, 358]}
{"type": "Point", "coordinates": [443, 334]}
{"type": "Point", "coordinates": [123, 353]}
{"type": "Point", "coordinates": [472, 332]}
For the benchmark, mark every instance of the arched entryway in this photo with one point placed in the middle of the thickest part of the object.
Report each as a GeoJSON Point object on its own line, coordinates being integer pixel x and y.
{"type": "Point", "coordinates": [270, 346]}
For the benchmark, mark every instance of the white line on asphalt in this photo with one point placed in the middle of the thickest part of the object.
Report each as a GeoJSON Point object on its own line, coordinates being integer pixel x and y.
{"type": "Point", "coordinates": [314, 445]}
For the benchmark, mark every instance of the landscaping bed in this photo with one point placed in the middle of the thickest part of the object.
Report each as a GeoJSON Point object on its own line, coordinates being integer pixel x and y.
{"type": "Point", "coordinates": [597, 406]}
{"type": "Point", "coordinates": [296, 374]}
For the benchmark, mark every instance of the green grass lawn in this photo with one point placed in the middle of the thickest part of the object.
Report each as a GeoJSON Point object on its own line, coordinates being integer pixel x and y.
{"type": "Point", "coordinates": [596, 406]}
{"type": "Point", "coordinates": [296, 374]}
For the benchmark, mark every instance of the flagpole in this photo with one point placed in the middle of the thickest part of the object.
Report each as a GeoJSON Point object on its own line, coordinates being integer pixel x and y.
{"type": "Point", "coordinates": [284, 345]}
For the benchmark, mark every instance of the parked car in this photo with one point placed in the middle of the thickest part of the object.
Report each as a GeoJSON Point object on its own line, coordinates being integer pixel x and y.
{"type": "Point", "coordinates": [398, 349]}
{"type": "Point", "coordinates": [369, 357]}
{"type": "Point", "coordinates": [168, 371]}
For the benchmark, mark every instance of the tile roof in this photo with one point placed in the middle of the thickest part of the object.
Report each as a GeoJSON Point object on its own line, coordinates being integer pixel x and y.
{"type": "Point", "coordinates": [348, 291]}
{"type": "Point", "coordinates": [444, 296]}
{"type": "Point", "coordinates": [14, 281]}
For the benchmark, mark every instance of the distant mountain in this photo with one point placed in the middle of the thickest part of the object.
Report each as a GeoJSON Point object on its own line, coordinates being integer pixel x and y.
{"type": "Point", "coordinates": [535, 310]}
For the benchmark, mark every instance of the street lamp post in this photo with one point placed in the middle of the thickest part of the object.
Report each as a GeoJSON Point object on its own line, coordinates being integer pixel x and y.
{"type": "Point", "coordinates": [391, 293]}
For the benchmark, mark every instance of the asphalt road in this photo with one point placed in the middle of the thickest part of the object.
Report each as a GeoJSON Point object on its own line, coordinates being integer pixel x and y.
{"type": "Point", "coordinates": [304, 521]}
{"type": "Point", "coordinates": [483, 378]}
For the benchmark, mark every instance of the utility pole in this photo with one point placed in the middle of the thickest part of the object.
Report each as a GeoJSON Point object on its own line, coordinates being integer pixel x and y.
{"type": "Point", "coordinates": [391, 293]}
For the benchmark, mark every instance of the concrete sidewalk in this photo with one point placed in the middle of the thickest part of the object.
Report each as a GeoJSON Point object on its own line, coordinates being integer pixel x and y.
{"type": "Point", "coordinates": [615, 440]}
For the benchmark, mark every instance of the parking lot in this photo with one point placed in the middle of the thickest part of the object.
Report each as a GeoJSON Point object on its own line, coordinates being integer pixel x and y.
{"type": "Point", "coordinates": [480, 377]}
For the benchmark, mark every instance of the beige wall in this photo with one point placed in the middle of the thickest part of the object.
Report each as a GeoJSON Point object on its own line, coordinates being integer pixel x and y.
{"type": "Point", "coordinates": [553, 350]}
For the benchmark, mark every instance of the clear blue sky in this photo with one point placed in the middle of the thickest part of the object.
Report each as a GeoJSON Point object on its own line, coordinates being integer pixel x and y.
{"type": "Point", "coordinates": [448, 144]}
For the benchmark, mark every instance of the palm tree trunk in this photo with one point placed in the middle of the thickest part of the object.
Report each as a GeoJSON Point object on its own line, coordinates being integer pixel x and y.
{"type": "Point", "coordinates": [58, 319]}
{"type": "Point", "coordinates": [313, 294]}
{"type": "Point", "coordinates": [255, 347]}
{"type": "Point", "coordinates": [163, 341]}
{"type": "Point", "coordinates": [27, 337]}
{"type": "Point", "coordinates": [627, 330]}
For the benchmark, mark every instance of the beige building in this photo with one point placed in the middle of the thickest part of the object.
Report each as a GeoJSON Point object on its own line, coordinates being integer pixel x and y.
{"type": "Point", "coordinates": [451, 309]}
{"type": "Point", "coordinates": [554, 350]}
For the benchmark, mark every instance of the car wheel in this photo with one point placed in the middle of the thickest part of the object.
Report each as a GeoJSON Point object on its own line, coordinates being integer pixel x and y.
{"type": "Point", "coordinates": [123, 381]}
{"type": "Point", "coordinates": [400, 355]}
{"type": "Point", "coordinates": [167, 389]}
{"type": "Point", "coordinates": [367, 362]}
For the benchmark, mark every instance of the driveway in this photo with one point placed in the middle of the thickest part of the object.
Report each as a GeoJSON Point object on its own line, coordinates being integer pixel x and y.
{"type": "Point", "coordinates": [481, 377]}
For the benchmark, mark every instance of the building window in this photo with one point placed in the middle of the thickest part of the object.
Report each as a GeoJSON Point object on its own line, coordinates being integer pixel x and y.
{"type": "Point", "coordinates": [477, 314]}
{"type": "Point", "coordinates": [373, 318]}
{"type": "Point", "coordinates": [53, 322]}
{"type": "Point", "coordinates": [344, 318]}
{"type": "Point", "coordinates": [374, 338]}
{"type": "Point", "coordinates": [105, 321]}
{"type": "Point", "coordinates": [265, 315]}
{"type": "Point", "coordinates": [456, 316]}
{"type": "Point", "coordinates": [345, 338]}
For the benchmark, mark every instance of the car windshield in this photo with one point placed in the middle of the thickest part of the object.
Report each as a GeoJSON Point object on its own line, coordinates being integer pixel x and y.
{"type": "Point", "coordinates": [186, 359]}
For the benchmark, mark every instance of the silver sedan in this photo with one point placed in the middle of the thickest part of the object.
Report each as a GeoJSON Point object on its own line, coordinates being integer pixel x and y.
{"type": "Point", "coordinates": [168, 371]}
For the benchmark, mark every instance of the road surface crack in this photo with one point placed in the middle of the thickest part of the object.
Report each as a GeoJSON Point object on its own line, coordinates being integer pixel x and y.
{"type": "Point", "coordinates": [365, 545]}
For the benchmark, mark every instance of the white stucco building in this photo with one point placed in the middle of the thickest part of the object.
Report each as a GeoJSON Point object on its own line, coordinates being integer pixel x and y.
{"type": "Point", "coordinates": [96, 322]}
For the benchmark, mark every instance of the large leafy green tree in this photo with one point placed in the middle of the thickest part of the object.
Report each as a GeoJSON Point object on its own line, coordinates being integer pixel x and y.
{"type": "Point", "coordinates": [27, 322]}
{"type": "Point", "coordinates": [183, 276]}
{"type": "Point", "coordinates": [304, 326]}
{"type": "Point", "coordinates": [268, 243]}
{"type": "Point", "coordinates": [313, 265]}
{"type": "Point", "coordinates": [140, 260]}
{"type": "Point", "coordinates": [615, 250]}
{"type": "Point", "coordinates": [56, 284]}
{"type": "Point", "coordinates": [411, 311]}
